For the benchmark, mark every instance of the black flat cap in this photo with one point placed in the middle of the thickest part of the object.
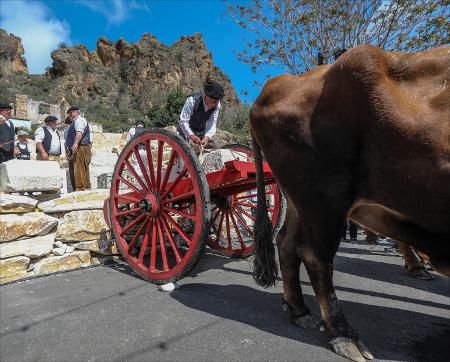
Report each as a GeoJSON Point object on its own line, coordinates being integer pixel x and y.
{"type": "Point", "coordinates": [73, 108]}
{"type": "Point", "coordinates": [213, 90]}
{"type": "Point", "coordinates": [50, 119]}
{"type": "Point", "coordinates": [5, 106]}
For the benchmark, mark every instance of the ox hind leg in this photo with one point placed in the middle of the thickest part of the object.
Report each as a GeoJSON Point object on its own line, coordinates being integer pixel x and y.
{"type": "Point", "coordinates": [413, 263]}
{"type": "Point", "coordinates": [320, 235]}
{"type": "Point", "coordinates": [290, 262]}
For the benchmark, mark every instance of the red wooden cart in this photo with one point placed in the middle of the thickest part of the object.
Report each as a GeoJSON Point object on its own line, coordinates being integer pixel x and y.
{"type": "Point", "coordinates": [163, 208]}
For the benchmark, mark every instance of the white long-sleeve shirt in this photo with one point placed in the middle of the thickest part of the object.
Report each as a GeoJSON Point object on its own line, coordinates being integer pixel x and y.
{"type": "Point", "coordinates": [186, 115]}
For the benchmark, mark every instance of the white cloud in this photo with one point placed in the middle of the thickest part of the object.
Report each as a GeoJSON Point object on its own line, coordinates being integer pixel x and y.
{"type": "Point", "coordinates": [40, 31]}
{"type": "Point", "coordinates": [115, 11]}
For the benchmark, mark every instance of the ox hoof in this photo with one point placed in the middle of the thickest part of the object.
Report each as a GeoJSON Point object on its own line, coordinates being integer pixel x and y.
{"type": "Point", "coordinates": [355, 351]}
{"type": "Point", "coordinates": [306, 322]}
{"type": "Point", "coordinates": [420, 273]}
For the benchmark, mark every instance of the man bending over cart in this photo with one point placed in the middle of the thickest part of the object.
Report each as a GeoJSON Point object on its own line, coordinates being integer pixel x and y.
{"type": "Point", "coordinates": [198, 119]}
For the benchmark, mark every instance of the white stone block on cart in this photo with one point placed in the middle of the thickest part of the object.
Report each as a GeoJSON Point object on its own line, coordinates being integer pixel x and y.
{"type": "Point", "coordinates": [215, 160]}
{"type": "Point", "coordinates": [23, 176]}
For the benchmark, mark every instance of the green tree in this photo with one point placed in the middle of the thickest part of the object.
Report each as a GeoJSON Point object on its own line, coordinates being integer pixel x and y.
{"type": "Point", "coordinates": [168, 113]}
{"type": "Point", "coordinates": [290, 33]}
{"type": "Point", "coordinates": [236, 121]}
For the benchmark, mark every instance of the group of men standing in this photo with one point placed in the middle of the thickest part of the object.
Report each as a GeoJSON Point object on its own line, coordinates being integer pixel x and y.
{"type": "Point", "coordinates": [197, 124]}
{"type": "Point", "coordinates": [78, 141]}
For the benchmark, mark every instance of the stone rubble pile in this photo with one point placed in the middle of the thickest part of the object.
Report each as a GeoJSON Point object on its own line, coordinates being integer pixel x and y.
{"type": "Point", "coordinates": [43, 237]}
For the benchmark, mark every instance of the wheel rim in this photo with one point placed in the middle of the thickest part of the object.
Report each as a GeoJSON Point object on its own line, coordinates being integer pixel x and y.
{"type": "Point", "coordinates": [159, 206]}
{"type": "Point", "coordinates": [233, 217]}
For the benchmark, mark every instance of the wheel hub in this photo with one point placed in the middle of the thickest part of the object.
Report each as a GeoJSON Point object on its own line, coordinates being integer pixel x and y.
{"type": "Point", "coordinates": [150, 204]}
{"type": "Point", "coordinates": [225, 203]}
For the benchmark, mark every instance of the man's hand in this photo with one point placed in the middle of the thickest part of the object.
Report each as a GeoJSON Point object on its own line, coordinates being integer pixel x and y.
{"type": "Point", "coordinates": [195, 139]}
{"type": "Point", "coordinates": [204, 141]}
{"type": "Point", "coordinates": [44, 156]}
{"type": "Point", "coordinates": [74, 148]}
{"type": "Point", "coordinates": [16, 151]}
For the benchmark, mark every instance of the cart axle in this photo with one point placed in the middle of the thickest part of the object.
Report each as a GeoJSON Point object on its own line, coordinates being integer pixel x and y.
{"type": "Point", "coordinates": [151, 204]}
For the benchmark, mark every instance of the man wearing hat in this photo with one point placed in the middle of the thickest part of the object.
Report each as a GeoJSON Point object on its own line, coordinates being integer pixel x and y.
{"type": "Point", "coordinates": [198, 119]}
{"type": "Point", "coordinates": [22, 145]}
{"type": "Point", "coordinates": [7, 134]}
{"type": "Point", "coordinates": [48, 142]}
{"type": "Point", "coordinates": [79, 142]}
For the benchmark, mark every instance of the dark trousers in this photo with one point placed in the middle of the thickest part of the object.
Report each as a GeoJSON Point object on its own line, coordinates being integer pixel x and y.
{"type": "Point", "coordinates": [352, 228]}
{"type": "Point", "coordinates": [6, 156]}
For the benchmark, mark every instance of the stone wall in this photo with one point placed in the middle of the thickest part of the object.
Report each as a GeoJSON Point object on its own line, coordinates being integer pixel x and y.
{"type": "Point", "coordinates": [43, 237]}
{"type": "Point", "coordinates": [27, 108]}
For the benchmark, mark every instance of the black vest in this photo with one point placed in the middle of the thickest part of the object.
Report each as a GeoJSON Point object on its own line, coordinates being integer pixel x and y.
{"type": "Point", "coordinates": [7, 134]}
{"type": "Point", "coordinates": [199, 117]}
{"type": "Point", "coordinates": [47, 141]}
{"type": "Point", "coordinates": [71, 133]}
{"type": "Point", "coordinates": [138, 131]}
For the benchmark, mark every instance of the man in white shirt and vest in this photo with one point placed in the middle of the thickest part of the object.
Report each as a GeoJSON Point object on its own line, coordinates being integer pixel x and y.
{"type": "Point", "coordinates": [78, 143]}
{"type": "Point", "coordinates": [48, 141]}
{"type": "Point", "coordinates": [198, 119]}
{"type": "Point", "coordinates": [7, 134]}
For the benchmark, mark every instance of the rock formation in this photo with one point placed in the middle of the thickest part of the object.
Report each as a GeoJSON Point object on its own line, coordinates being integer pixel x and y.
{"type": "Point", "coordinates": [11, 54]}
{"type": "Point", "coordinates": [138, 74]}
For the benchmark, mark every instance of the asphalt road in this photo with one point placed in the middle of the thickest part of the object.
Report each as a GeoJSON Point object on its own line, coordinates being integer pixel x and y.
{"type": "Point", "coordinates": [218, 314]}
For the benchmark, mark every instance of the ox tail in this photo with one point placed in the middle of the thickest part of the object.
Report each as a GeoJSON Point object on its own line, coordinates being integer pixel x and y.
{"type": "Point", "coordinates": [265, 269]}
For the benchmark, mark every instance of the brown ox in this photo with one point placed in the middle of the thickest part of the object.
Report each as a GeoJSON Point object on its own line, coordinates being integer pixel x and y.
{"type": "Point", "coordinates": [369, 138]}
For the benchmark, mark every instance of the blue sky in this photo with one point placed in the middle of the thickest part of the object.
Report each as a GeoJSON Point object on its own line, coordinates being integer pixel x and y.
{"type": "Point", "coordinates": [42, 25]}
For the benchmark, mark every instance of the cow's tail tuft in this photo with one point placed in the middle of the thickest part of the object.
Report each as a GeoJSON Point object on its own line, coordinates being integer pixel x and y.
{"type": "Point", "coordinates": [265, 269]}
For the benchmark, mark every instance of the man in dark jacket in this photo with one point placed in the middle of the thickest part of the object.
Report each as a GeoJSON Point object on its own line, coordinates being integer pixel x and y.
{"type": "Point", "coordinates": [198, 118]}
{"type": "Point", "coordinates": [7, 134]}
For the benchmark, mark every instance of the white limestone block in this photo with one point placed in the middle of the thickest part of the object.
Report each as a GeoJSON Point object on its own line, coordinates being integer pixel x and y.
{"type": "Point", "coordinates": [54, 264]}
{"type": "Point", "coordinates": [104, 180]}
{"type": "Point", "coordinates": [105, 247]}
{"type": "Point", "coordinates": [16, 204]}
{"type": "Point", "coordinates": [21, 176]}
{"type": "Point", "coordinates": [83, 225]}
{"type": "Point", "coordinates": [32, 248]}
{"type": "Point", "coordinates": [79, 200]}
{"type": "Point", "coordinates": [60, 251]}
{"type": "Point", "coordinates": [215, 160]}
{"type": "Point", "coordinates": [13, 268]}
{"type": "Point", "coordinates": [14, 226]}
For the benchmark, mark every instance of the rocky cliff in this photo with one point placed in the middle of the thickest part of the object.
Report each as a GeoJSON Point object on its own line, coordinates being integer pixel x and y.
{"type": "Point", "coordinates": [117, 81]}
{"type": "Point", "coordinates": [11, 54]}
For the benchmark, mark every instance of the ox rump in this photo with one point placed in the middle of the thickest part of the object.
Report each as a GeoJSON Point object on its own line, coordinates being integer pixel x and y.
{"type": "Point", "coordinates": [30, 176]}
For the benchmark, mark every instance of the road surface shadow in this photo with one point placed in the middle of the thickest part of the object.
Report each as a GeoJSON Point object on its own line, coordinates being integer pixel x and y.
{"type": "Point", "coordinates": [389, 333]}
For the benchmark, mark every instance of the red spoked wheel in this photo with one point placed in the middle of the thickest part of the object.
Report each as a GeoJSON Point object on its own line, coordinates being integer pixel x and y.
{"type": "Point", "coordinates": [159, 206]}
{"type": "Point", "coordinates": [233, 217]}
